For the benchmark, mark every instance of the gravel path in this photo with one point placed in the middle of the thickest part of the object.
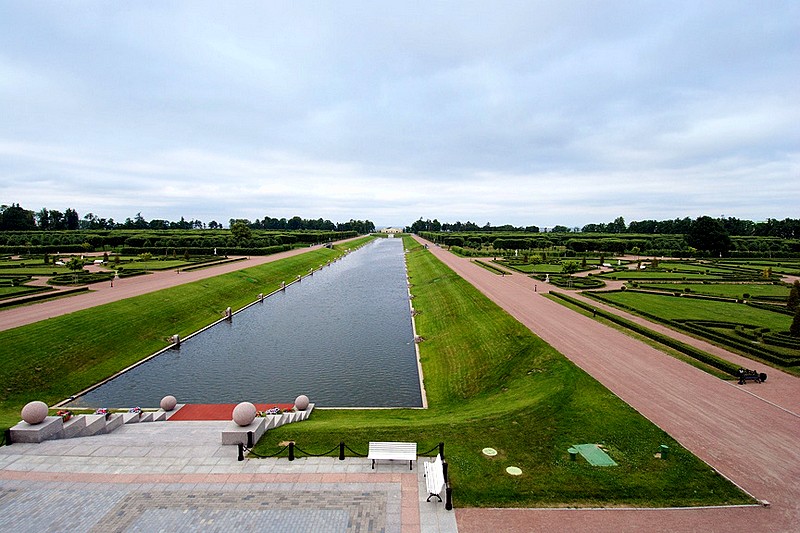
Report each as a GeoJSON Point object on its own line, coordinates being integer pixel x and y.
{"type": "Point", "coordinates": [700, 411]}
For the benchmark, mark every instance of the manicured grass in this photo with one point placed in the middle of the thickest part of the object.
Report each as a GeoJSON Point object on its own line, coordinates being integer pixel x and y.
{"type": "Point", "coordinates": [19, 290]}
{"type": "Point", "coordinates": [655, 274]}
{"type": "Point", "coordinates": [154, 264]}
{"type": "Point", "coordinates": [725, 290]}
{"type": "Point", "coordinates": [53, 359]}
{"type": "Point", "coordinates": [671, 308]}
{"type": "Point", "coordinates": [491, 383]}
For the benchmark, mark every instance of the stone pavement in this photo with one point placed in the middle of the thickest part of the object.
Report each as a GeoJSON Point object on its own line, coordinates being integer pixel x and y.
{"type": "Point", "coordinates": [176, 476]}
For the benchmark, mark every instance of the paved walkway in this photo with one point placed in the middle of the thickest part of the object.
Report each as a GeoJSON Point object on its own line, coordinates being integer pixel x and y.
{"type": "Point", "coordinates": [747, 433]}
{"type": "Point", "coordinates": [177, 477]}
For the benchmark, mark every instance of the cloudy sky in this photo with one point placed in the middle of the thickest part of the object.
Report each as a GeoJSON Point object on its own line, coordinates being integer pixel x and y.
{"type": "Point", "coordinates": [525, 113]}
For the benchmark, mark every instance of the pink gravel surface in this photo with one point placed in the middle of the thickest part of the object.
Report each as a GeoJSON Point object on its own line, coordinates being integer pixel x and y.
{"type": "Point", "coordinates": [750, 434]}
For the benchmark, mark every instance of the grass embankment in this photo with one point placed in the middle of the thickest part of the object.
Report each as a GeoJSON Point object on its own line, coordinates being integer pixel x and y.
{"type": "Point", "coordinates": [55, 358]}
{"type": "Point", "coordinates": [492, 383]}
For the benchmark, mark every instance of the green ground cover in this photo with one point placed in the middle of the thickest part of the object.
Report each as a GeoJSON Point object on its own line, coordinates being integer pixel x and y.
{"type": "Point", "coordinates": [694, 267]}
{"type": "Point", "coordinates": [791, 268]}
{"type": "Point", "coordinates": [670, 307]}
{"type": "Point", "coordinates": [491, 382]}
{"type": "Point", "coordinates": [20, 290]}
{"type": "Point", "coordinates": [725, 290]}
{"type": "Point", "coordinates": [528, 268]}
{"type": "Point", "coordinates": [155, 264]}
{"type": "Point", "coordinates": [53, 359]}
{"type": "Point", "coordinates": [656, 274]}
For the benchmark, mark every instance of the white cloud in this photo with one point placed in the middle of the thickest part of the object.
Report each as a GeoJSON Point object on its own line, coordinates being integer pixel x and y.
{"type": "Point", "coordinates": [530, 113]}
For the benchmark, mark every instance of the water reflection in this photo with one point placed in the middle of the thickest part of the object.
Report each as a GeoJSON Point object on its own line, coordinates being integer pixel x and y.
{"type": "Point", "coordinates": [342, 336]}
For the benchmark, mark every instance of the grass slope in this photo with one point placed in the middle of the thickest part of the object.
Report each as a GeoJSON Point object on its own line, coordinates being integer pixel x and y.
{"type": "Point", "coordinates": [491, 382]}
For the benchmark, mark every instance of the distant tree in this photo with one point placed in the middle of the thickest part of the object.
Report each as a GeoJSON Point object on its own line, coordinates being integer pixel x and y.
{"type": "Point", "coordinates": [559, 229]}
{"type": "Point", "coordinates": [241, 232]}
{"type": "Point", "coordinates": [618, 226]}
{"type": "Point", "coordinates": [72, 221]}
{"type": "Point", "coordinates": [708, 235]}
{"type": "Point", "coordinates": [794, 297]}
{"type": "Point", "coordinates": [15, 218]}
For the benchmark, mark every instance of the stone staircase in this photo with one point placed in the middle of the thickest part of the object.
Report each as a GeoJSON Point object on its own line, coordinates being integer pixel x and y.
{"type": "Point", "coordinates": [53, 427]}
{"type": "Point", "coordinates": [235, 434]}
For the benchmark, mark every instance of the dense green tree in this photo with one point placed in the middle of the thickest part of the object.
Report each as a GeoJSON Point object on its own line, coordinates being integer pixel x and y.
{"type": "Point", "coordinates": [241, 232]}
{"type": "Point", "coordinates": [15, 218]}
{"type": "Point", "coordinates": [708, 234]}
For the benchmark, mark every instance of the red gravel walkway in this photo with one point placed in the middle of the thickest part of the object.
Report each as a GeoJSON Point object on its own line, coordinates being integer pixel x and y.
{"type": "Point", "coordinates": [752, 441]}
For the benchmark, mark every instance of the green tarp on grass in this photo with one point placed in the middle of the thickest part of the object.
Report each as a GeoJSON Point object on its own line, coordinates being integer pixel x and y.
{"type": "Point", "coordinates": [594, 455]}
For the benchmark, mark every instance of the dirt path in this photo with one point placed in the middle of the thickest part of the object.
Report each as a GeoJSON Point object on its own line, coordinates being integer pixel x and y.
{"type": "Point", "coordinates": [749, 440]}
{"type": "Point", "coordinates": [103, 293]}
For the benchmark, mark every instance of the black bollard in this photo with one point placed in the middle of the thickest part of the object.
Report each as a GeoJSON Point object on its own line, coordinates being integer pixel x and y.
{"type": "Point", "coordinates": [441, 450]}
{"type": "Point", "coordinates": [341, 451]}
{"type": "Point", "coordinates": [249, 440]}
{"type": "Point", "coordinates": [291, 451]}
{"type": "Point", "coordinates": [241, 451]}
{"type": "Point", "coordinates": [448, 499]}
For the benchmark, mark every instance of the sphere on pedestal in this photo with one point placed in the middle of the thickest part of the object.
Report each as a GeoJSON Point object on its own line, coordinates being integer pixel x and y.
{"type": "Point", "coordinates": [168, 403]}
{"type": "Point", "coordinates": [34, 412]}
{"type": "Point", "coordinates": [301, 402]}
{"type": "Point", "coordinates": [244, 414]}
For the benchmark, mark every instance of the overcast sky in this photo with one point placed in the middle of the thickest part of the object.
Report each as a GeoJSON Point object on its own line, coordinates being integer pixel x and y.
{"type": "Point", "coordinates": [523, 113]}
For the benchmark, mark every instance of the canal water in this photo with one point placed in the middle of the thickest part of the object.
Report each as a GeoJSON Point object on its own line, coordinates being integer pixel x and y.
{"type": "Point", "coordinates": [343, 337]}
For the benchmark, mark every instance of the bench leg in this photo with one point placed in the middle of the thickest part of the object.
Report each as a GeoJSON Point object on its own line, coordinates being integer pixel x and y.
{"type": "Point", "coordinates": [410, 463]}
{"type": "Point", "coordinates": [373, 464]}
{"type": "Point", "coordinates": [432, 495]}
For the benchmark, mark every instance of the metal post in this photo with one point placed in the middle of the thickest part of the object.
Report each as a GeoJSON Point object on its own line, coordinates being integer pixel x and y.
{"type": "Point", "coordinates": [441, 450]}
{"type": "Point", "coordinates": [444, 470]}
{"type": "Point", "coordinates": [448, 499]}
{"type": "Point", "coordinates": [291, 451]}
{"type": "Point", "coordinates": [249, 439]}
{"type": "Point", "coordinates": [241, 451]}
{"type": "Point", "coordinates": [341, 451]}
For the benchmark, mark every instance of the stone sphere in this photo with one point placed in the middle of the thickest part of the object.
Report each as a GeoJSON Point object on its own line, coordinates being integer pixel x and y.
{"type": "Point", "coordinates": [168, 403]}
{"type": "Point", "coordinates": [34, 412]}
{"type": "Point", "coordinates": [244, 414]}
{"type": "Point", "coordinates": [301, 402]}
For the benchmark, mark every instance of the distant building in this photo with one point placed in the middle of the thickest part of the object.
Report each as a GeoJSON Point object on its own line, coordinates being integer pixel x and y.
{"type": "Point", "coordinates": [391, 230]}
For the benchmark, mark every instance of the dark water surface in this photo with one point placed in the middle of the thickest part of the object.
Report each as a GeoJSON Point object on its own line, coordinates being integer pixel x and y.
{"type": "Point", "coordinates": [343, 337]}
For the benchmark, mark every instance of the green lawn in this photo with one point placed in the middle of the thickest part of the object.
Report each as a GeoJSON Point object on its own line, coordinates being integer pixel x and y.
{"type": "Point", "coordinates": [725, 290]}
{"type": "Point", "coordinates": [656, 274]}
{"type": "Point", "coordinates": [491, 382]}
{"type": "Point", "coordinates": [670, 308]}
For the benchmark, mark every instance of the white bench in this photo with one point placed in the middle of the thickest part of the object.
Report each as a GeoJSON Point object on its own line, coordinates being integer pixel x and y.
{"type": "Point", "coordinates": [398, 451]}
{"type": "Point", "coordinates": [434, 478]}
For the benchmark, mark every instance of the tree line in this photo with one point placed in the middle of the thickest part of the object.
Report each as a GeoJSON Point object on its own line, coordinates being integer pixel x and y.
{"type": "Point", "coordinates": [787, 228]}
{"type": "Point", "coordinates": [16, 218]}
